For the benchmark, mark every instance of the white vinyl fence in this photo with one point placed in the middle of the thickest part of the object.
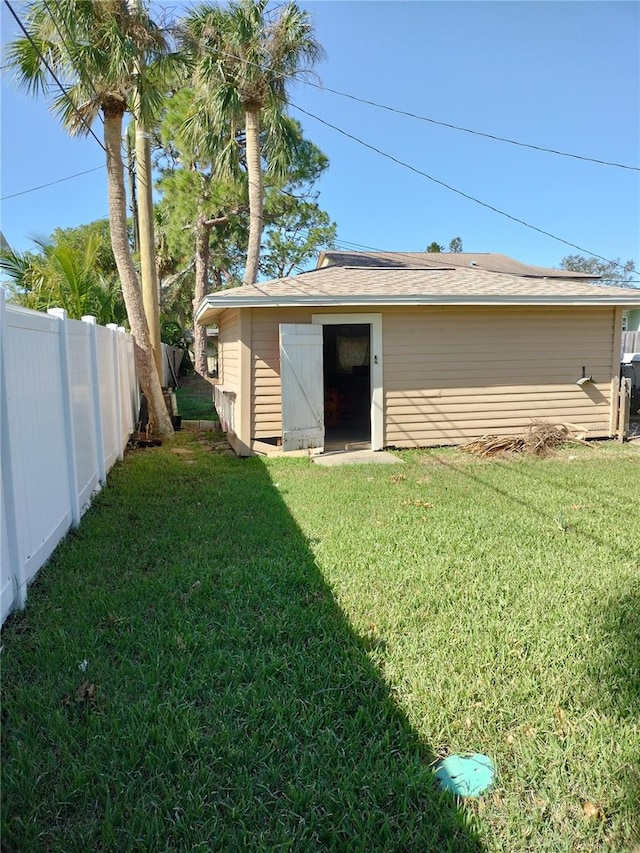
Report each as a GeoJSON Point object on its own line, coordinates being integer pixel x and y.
{"type": "Point", "coordinates": [69, 400]}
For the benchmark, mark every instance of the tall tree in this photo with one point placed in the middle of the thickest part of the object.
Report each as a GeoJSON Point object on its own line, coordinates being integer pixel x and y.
{"type": "Point", "coordinates": [201, 202]}
{"type": "Point", "coordinates": [95, 49]}
{"type": "Point", "coordinates": [245, 57]}
{"type": "Point", "coordinates": [434, 248]}
{"type": "Point", "coordinates": [455, 245]}
{"type": "Point", "coordinates": [611, 272]}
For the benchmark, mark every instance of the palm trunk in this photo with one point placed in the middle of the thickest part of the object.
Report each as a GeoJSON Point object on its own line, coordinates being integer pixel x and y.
{"type": "Point", "coordinates": [254, 172]}
{"type": "Point", "coordinates": [201, 289]}
{"type": "Point", "coordinates": [145, 362]}
{"type": "Point", "coordinates": [148, 268]}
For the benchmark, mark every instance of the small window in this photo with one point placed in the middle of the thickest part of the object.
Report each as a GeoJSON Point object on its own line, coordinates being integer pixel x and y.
{"type": "Point", "coordinates": [625, 323]}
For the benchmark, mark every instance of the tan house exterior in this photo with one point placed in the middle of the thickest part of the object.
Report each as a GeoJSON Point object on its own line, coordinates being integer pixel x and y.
{"type": "Point", "coordinates": [407, 350]}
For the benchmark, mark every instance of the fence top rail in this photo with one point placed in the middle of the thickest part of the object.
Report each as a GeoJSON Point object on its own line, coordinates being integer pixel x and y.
{"type": "Point", "coordinates": [24, 318]}
{"type": "Point", "coordinates": [77, 327]}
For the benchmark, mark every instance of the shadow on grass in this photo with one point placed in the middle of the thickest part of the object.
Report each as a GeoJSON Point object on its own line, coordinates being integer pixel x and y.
{"type": "Point", "coordinates": [233, 707]}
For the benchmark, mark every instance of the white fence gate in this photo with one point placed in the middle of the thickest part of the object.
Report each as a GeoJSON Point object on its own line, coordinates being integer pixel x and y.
{"type": "Point", "coordinates": [68, 403]}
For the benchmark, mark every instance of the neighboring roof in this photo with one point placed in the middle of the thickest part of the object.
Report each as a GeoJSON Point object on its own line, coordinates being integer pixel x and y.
{"type": "Point", "coordinates": [358, 286]}
{"type": "Point", "coordinates": [429, 260]}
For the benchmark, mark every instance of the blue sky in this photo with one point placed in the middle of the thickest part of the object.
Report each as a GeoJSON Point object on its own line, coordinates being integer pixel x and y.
{"type": "Point", "coordinates": [563, 75]}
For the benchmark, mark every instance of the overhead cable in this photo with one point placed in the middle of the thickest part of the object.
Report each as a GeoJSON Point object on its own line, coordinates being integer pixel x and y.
{"type": "Point", "coordinates": [474, 132]}
{"type": "Point", "coordinates": [51, 183]}
{"type": "Point", "coordinates": [52, 73]}
{"type": "Point", "coordinates": [454, 189]}
{"type": "Point", "coordinates": [451, 126]}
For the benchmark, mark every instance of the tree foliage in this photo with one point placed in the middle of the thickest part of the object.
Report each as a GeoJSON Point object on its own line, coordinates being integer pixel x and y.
{"type": "Point", "coordinates": [613, 272]}
{"type": "Point", "coordinates": [66, 272]}
{"type": "Point", "coordinates": [244, 56]}
{"type": "Point", "coordinates": [455, 246]}
{"type": "Point", "coordinates": [205, 213]}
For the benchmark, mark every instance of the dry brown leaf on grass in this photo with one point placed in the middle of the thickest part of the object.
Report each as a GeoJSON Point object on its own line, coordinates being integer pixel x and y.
{"type": "Point", "coordinates": [417, 502]}
{"type": "Point", "coordinates": [591, 811]}
{"type": "Point", "coordinates": [86, 694]}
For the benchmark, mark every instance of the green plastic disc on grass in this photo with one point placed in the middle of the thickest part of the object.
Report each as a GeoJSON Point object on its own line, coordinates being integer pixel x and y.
{"type": "Point", "coordinates": [465, 775]}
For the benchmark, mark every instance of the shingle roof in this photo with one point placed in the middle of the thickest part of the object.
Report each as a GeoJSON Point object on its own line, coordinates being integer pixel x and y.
{"type": "Point", "coordinates": [342, 285]}
{"type": "Point", "coordinates": [489, 261]}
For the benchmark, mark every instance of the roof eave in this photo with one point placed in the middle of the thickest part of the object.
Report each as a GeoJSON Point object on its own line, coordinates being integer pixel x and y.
{"type": "Point", "coordinates": [210, 308]}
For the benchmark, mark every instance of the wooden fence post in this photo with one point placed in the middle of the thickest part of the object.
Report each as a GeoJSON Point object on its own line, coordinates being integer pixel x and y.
{"type": "Point", "coordinates": [625, 405]}
{"type": "Point", "coordinates": [67, 408]}
{"type": "Point", "coordinates": [95, 396]}
{"type": "Point", "coordinates": [7, 493]}
{"type": "Point", "coordinates": [613, 408]}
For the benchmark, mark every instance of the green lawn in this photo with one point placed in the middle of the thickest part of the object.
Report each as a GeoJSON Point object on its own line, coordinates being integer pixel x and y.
{"type": "Point", "coordinates": [277, 651]}
{"type": "Point", "coordinates": [195, 399]}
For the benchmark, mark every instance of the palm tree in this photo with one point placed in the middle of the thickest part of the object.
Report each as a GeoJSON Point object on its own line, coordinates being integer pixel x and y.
{"type": "Point", "coordinates": [95, 49]}
{"type": "Point", "coordinates": [204, 203]}
{"type": "Point", "coordinates": [244, 57]}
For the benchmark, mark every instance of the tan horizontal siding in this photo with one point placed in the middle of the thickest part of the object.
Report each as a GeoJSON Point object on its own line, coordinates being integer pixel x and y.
{"type": "Point", "coordinates": [451, 375]}
{"type": "Point", "coordinates": [229, 348]}
{"type": "Point", "coordinates": [420, 410]}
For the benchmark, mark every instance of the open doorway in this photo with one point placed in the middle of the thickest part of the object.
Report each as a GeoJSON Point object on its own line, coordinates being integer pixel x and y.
{"type": "Point", "coordinates": [347, 385]}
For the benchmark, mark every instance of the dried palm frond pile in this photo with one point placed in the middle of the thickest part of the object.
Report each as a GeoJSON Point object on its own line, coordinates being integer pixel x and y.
{"type": "Point", "coordinates": [539, 439]}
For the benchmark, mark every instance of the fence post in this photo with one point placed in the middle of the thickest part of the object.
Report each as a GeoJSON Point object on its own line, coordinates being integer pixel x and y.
{"type": "Point", "coordinates": [7, 493]}
{"type": "Point", "coordinates": [625, 406]}
{"type": "Point", "coordinates": [118, 397]}
{"type": "Point", "coordinates": [95, 396]}
{"type": "Point", "coordinates": [67, 408]}
{"type": "Point", "coordinates": [613, 408]}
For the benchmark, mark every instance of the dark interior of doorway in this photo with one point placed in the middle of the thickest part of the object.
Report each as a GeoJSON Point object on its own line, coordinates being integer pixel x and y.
{"type": "Point", "coordinates": [347, 386]}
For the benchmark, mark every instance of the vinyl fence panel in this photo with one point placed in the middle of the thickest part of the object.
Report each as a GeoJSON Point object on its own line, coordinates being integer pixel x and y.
{"type": "Point", "coordinates": [36, 436]}
{"type": "Point", "coordinates": [109, 403]}
{"type": "Point", "coordinates": [79, 346]}
{"type": "Point", "coordinates": [68, 391]}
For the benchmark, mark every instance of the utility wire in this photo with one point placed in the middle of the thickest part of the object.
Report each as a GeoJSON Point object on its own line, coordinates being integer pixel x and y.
{"type": "Point", "coordinates": [73, 64]}
{"type": "Point", "coordinates": [65, 43]}
{"type": "Point", "coordinates": [453, 189]}
{"type": "Point", "coordinates": [398, 111]}
{"type": "Point", "coordinates": [51, 183]}
{"type": "Point", "coordinates": [469, 130]}
{"type": "Point", "coordinates": [50, 70]}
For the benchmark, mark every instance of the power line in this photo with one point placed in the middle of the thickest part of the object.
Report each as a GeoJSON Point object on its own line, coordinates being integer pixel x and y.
{"type": "Point", "coordinates": [62, 38]}
{"type": "Point", "coordinates": [454, 189]}
{"type": "Point", "coordinates": [493, 136]}
{"type": "Point", "coordinates": [451, 126]}
{"type": "Point", "coordinates": [50, 70]}
{"type": "Point", "coordinates": [51, 183]}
